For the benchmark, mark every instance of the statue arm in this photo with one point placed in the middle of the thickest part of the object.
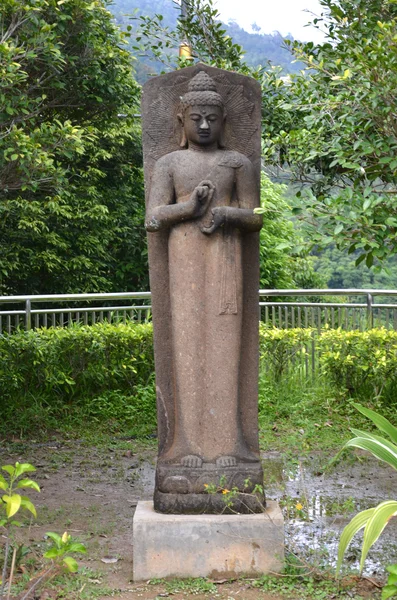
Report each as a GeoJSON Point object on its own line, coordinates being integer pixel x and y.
{"type": "Point", "coordinates": [243, 216]}
{"type": "Point", "coordinates": [162, 210]}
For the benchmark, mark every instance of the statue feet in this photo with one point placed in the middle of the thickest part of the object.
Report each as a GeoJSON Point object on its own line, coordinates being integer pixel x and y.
{"type": "Point", "coordinates": [226, 461]}
{"type": "Point", "coordinates": [191, 460]}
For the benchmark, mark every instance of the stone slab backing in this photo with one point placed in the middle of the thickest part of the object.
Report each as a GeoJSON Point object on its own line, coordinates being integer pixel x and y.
{"type": "Point", "coordinates": [215, 546]}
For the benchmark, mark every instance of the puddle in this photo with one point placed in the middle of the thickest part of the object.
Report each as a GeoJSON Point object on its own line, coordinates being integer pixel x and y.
{"type": "Point", "coordinates": [317, 505]}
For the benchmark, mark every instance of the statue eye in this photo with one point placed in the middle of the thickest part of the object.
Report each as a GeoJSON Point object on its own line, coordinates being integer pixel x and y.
{"type": "Point", "coordinates": [195, 117]}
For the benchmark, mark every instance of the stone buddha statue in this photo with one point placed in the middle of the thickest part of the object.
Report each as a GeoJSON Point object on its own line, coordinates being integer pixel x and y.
{"type": "Point", "coordinates": [200, 204]}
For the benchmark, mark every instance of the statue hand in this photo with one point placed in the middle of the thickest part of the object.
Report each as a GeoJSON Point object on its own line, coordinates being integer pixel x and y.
{"type": "Point", "coordinates": [218, 219]}
{"type": "Point", "coordinates": [201, 197]}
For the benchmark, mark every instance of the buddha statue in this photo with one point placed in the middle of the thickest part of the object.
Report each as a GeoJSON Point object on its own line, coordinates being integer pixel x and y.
{"type": "Point", "coordinates": [201, 202]}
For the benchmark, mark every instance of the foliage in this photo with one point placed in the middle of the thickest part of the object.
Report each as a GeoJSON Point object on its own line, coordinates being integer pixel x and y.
{"type": "Point", "coordinates": [284, 263]}
{"type": "Point", "coordinates": [373, 520]}
{"type": "Point", "coordinates": [390, 589]}
{"type": "Point", "coordinates": [339, 270]}
{"type": "Point", "coordinates": [103, 375]}
{"type": "Point", "coordinates": [60, 549]}
{"type": "Point", "coordinates": [12, 503]}
{"type": "Point", "coordinates": [336, 130]}
{"type": "Point", "coordinates": [100, 373]}
{"type": "Point", "coordinates": [279, 347]}
{"type": "Point", "coordinates": [71, 186]}
{"type": "Point", "coordinates": [362, 362]}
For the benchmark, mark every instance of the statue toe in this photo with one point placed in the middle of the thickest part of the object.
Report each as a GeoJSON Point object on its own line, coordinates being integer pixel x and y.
{"type": "Point", "coordinates": [191, 460]}
{"type": "Point", "coordinates": [226, 461]}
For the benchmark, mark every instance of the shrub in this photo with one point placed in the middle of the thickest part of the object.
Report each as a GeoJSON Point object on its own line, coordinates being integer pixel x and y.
{"type": "Point", "coordinates": [105, 373]}
{"type": "Point", "coordinates": [97, 371]}
{"type": "Point", "coordinates": [281, 348]}
{"type": "Point", "coordinates": [363, 362]}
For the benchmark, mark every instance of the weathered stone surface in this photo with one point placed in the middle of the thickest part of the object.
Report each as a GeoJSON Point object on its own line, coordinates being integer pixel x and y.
{"type": "Point", "coordinates": [217, 546]}
{"type": "Point", "coordinates": [201, 133]}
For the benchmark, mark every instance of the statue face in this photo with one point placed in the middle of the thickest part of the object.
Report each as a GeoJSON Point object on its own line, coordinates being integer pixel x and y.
{"type": "Point", "coordinates": [203, 124]}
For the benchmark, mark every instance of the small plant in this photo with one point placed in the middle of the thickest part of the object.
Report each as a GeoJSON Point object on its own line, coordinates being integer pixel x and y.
{"type": "Point", "coordinates": [230, 495]}
{"type": "Point", "coordinates": [11, 503]}
{"type": "Point", "coordinates": [373, 520]}
{"type": "Point", "coordinates": [390, 589]}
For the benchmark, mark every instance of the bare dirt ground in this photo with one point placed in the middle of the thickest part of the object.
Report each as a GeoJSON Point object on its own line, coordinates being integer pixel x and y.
{"type": "Point", "coordinates": [92, 492]}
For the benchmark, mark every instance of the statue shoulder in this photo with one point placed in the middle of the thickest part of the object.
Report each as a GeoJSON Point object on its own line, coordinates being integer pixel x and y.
{"type": "Point", "coordinates": [170, 158]}
{"type": "Point", "coordinates": [234, 159]}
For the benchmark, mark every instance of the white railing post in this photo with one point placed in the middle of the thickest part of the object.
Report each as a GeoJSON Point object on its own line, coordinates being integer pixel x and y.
{"type": "Point", "coordinates": [370, 313]}
{"type": "Point", "coordinates": [28, 314]}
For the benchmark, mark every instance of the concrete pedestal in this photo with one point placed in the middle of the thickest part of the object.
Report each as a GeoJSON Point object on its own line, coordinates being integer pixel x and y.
{"type": "Point", "coordinates": [215, 546]}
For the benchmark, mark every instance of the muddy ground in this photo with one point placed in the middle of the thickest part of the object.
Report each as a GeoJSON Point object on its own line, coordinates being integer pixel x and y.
{"type": "Point", "coordinates": [92, 492]}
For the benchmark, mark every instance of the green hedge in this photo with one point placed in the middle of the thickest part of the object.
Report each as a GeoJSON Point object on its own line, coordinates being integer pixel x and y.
{"type": "Point", "coordinates": [105, 373]}
{"type": "Point", "coordinates": [363, 363]}
{"type": "Point", "coordinates": [101, 372]}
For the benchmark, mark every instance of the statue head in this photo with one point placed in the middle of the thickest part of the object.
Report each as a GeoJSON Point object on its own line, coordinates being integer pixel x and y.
{"type": "Point", "coordinates": [202, 113]}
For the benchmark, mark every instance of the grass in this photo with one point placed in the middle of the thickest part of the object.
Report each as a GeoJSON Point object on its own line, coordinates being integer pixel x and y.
{"type": "Point", "coordinates": [299, 416]}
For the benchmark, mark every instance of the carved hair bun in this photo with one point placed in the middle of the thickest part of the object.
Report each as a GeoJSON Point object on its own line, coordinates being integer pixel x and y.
{"type": "Point", "coordinates": [202, 82]}
{"type": "Point", "coordinates": [202, 90]}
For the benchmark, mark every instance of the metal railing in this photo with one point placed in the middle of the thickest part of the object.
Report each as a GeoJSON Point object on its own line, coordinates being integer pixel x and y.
{"type": "Point", "coordinates": [23, 312]}
{"type": "Point", "coordinates": [51, 310]}
{"type": "Point", "coordinates": [318, 314]}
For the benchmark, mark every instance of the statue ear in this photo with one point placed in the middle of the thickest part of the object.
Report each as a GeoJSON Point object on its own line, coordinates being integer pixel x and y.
{"type": "Point", "coordinates": [183, 142]}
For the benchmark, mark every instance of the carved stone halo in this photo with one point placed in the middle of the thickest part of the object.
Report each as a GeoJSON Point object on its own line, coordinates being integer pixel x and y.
{"type": "Point", "coordinates": [163, 131]}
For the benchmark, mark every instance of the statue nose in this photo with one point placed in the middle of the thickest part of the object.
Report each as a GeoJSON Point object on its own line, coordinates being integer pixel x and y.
{"type": "Point", "coordinates": [204, 124]}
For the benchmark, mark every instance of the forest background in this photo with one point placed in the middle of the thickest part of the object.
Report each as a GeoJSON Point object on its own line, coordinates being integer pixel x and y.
{"type": "Point", "coordinates": [71, 185]}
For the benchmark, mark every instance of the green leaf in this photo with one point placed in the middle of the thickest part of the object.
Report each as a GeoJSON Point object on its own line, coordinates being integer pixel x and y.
{"type": "Point", "coordinates": [13, 504]}
{"type": "Point", "coordinates": [381, 422]}
{"type": "Point", "coordinates": [367, 203]}
{"type": "Point", "coordinates": [360, 259]}
{"type": "Point", "coordinates": [53, 553]}
{"type": "Point", "coordinates": [357, 523]}
{"type": "Point", "coordinates": [21, 468]}
{"type": "Point", "coordinates": [392, 569]}
{"type": "Point", "coordinates": [28, 483]}
{"type": "Point", "coordinates": [375, 525]}
{"type": "Point", "coordinates": [9, 469]}
{"type": "Point", "coordinates": [376, 448]}
{"type": "Point", "coordinates": [376, 438]}
{"type": "Point", "coordinates": [26, 503]}
{"type": "Point", "coordinates": [71, 564]}
{"type": "Point", "coordinates": [55, 538]}
{"type": "Point", "coordinates": [338, 228]}
{"type": "Point", "coordinates": [388, 591]}
{"type": "Point", "coordinates": [77, 547]}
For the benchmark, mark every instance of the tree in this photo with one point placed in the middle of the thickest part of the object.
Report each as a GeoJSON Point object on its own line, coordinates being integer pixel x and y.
{"type": "Point", "coordinates": [337, 131]}
{"type": "Point", "coordinates": [70, 175]}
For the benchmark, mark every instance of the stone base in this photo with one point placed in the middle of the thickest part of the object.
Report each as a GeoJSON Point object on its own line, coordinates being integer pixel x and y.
{"type": "Point", "coordinates": [216, 546]}
{"type": "Point", "coordinates": [198, 504]}
{"type": "Point", "coordinates": [181, 490]}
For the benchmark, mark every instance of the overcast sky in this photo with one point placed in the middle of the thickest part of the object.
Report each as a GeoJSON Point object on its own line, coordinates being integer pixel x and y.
{"type": "Point", "coordinates": [285, 16]}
